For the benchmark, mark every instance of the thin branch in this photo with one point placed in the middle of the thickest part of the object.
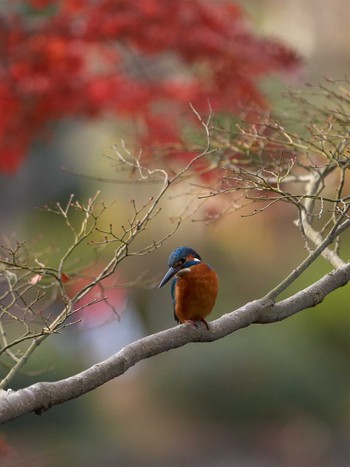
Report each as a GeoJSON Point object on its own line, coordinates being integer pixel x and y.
{"type": "Point", "coordinates": [333, 234]}
{"type": "Point", "coordinates": [42, 396]}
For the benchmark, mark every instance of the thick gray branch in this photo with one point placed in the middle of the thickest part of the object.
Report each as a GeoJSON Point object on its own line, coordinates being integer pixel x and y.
{"type": "Point", "coordinates": [41, 396]}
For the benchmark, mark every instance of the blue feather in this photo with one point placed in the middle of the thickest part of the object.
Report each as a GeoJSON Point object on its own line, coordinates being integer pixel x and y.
{"type": "Point", "coordinates": [181, 253]}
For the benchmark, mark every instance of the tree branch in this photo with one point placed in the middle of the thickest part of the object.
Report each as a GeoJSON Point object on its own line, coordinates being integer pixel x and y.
{"type": "Point", "coordinates": [41, 396]}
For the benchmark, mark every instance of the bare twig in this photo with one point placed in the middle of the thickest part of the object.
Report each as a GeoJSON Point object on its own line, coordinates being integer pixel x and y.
{"type": "Point", "coordinates": [42, 396]}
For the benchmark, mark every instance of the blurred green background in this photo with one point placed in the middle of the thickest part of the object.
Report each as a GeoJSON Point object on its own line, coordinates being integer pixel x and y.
{"type": "Point", "coordinates": [275, 395]}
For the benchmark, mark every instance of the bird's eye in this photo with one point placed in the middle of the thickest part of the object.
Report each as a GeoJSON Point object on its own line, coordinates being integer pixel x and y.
{"type": "Point", "coordinates": [179, 263]}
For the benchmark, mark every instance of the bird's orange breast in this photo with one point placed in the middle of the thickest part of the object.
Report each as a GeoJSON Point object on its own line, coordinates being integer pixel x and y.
{"type": "Point", "coordinates": [195, 292]}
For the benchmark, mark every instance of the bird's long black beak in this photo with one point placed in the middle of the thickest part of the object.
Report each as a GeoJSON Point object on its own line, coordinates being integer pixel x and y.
{"type": "Point", "coordinates": [171, 273]}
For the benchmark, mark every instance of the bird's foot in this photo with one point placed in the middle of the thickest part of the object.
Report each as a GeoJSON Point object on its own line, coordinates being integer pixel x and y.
{"type": "Point", "coordinates": [195, 323]}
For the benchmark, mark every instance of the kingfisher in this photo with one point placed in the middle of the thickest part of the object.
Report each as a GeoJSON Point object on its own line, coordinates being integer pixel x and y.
{"type": "Point", "coordinates": [194, 288]}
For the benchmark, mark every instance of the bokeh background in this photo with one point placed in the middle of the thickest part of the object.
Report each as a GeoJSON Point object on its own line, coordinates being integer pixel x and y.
{"type": "Point", "coordinates": [275, 395]}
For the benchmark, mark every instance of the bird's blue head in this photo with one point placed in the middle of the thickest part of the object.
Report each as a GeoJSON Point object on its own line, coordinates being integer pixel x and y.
{"type": "Point", "coordinates": [180, 258]}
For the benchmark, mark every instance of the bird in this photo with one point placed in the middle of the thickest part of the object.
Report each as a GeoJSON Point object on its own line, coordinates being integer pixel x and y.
{"type": "Point", "coordinates": [194, 288]}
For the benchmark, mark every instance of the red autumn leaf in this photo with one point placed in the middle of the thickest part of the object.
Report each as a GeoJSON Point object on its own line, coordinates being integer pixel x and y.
{"type": "Point", "coordinates": [65, 278]}
{"type": "Point", "coordinates": [6, 450]}
{"type": "Point", "coordinates": [142, 60]}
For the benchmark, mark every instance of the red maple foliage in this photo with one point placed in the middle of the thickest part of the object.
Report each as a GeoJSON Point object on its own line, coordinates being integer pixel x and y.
{"type": "Point", "coordinates": [104, 301]}
{"type": "Point", "coordinates": [145, 59]}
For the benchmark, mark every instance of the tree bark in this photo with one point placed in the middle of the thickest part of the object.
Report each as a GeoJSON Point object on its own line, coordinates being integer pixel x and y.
{"type": "Point", "coordinates": [39, 397]}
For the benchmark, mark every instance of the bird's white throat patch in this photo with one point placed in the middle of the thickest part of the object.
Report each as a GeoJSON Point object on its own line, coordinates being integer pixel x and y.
{"type": "Point", "coordinates": [183, 271]}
